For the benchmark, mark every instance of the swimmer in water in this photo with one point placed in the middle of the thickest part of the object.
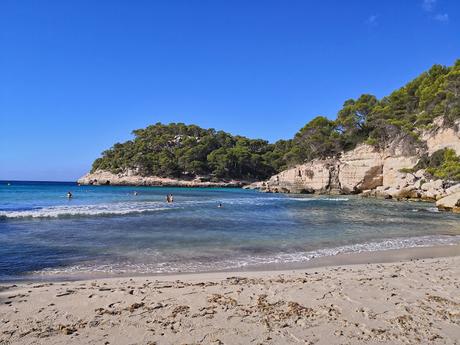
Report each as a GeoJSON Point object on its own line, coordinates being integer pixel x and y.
{"type": "Point", "coordinates": [69, 195]}
{"type": "Point", "coordinates": [135, 193]}
{"type": "Point", "coordinates": [220, 205]}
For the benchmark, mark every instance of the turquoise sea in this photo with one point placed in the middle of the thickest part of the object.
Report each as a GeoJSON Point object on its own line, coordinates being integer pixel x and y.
{"type": "Point", "coordinates": [110, 231]}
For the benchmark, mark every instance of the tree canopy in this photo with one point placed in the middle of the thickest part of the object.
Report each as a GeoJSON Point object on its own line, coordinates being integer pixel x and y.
{"type": "Point", "coordinates": [177, 150]}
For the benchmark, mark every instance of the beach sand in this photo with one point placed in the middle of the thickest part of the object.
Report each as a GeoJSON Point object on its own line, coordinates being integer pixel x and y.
{"type": "Point", "coordinates": [413, 301]}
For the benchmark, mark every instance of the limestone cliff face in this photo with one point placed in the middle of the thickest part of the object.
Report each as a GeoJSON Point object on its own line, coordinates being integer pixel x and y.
{"type": "Point", "coordinates": [441, 136]}
{"type": "Point", "coordinates": [374, 172]}
{"type": "Point", "coordinates": [315, 176]}
{"type": "Point", "coordinates": [129, 178]}
{"type": "Point", "coordinates": [355, 171]}
{"type": "Point", "coordinates": [360, 169]}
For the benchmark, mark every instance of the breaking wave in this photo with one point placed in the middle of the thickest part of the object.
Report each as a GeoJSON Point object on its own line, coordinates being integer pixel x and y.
{"type": "Point", "coordinates": [86, 210]}
{"type": "Point", "coordinates": [127, 208]}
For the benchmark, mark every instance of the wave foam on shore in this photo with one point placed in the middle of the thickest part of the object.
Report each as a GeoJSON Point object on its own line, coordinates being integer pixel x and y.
{"type": "Point", "coordinates": [244, 262]}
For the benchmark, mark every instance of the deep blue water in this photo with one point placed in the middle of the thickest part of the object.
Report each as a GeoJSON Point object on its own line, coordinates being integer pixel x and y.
{"type": "Point", "coordinates": [110, 230]}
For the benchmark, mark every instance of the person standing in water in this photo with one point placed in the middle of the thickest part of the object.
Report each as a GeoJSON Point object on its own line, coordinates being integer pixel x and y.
{"type": "Point", "coordinates": [69, 195]}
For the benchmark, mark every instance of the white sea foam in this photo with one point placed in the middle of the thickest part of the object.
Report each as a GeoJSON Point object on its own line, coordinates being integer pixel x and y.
{"type": "Point", "coordinates": [214, 264]}
{"type": "Point", "coordinates": [319, 199]}
{"type": "Point", "coordinates": [136, 207]}
{"type": "Point", "coordinates": [123, 208]}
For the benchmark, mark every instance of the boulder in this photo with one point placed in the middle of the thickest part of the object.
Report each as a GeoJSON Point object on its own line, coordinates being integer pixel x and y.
{"type": "Point", "coordinates": [453, 189]}
{"type": "Point", "coordinates": [390, 192]}
{"type": "Point", "coordinates": [428, 195]}
{"type": "Point", "coordinates": [420, 173]}
{"type": "Point", "coordinates": [434, 186]}
{"type": "Point", "coordinates": [407, 193]}
{"type": "Point", "coordinates": [450, 203]}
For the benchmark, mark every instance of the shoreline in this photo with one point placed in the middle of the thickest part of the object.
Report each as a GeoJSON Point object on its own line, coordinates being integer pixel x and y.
{"type": "Point", "coordinates": [400, 302]}
{"type": "Point", "coordinates": [343, 259]}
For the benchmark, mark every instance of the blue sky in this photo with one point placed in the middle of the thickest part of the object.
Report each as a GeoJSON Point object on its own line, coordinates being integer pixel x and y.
{"type": "Point", "coordinates": [78, 76]}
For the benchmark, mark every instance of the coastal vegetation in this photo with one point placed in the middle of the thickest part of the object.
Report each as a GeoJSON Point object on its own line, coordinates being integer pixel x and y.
{"type": "Point", "coordinates": [179, 150]}
{"type": "Point", "coordinates": [443, 164]}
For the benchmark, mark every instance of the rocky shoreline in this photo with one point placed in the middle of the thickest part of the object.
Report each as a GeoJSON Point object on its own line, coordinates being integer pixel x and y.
{"type": "Point", "coordinates": [378, 172]}
{"type": "Point", "coordinates": [100, 178]}
{"type": "Point", "coordinates": [383, 172]}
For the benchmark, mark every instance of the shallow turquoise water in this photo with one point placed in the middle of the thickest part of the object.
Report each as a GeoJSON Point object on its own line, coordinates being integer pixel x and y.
{"type": "Point", "coordinates": [110, 230]}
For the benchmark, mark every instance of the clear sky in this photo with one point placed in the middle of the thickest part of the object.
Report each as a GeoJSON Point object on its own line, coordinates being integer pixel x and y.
{"type": "Point", "coordinates": [78, 76]}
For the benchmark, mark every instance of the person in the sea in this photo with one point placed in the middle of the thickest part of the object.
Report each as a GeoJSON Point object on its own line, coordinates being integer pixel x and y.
{"type": "Point", "coordinates": [168, 198]}
{"type": "Point", "coordinates": [171, 198]}
{"type": "Point", "coordinates": [220, 205]}
{"type": "Point", "coordinates": [69, 195]}
{"type": "Point", "coordinates": [135, 193]}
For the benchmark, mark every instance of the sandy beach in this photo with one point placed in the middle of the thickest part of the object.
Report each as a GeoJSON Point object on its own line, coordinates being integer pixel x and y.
{"type": "Point", "coordinates": [230, 172]}
{"type": "Point", "coordinates": [412, 301]}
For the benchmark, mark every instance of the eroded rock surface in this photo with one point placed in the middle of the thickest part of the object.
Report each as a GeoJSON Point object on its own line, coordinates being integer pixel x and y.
{"type": "Point", "coordinates": [442, 136]}
{"type": "Point", "coordinates": [375, 172]}
{"type": "Point", "coordinates": [313, 177]}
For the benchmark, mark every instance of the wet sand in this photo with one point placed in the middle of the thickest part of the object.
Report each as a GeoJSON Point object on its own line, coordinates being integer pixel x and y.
{"type": "Point", "coordinates": [413, 301]}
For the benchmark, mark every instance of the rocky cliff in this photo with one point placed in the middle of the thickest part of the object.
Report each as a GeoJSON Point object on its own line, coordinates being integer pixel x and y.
{"type": "Point", "coordinates": [382, 172]}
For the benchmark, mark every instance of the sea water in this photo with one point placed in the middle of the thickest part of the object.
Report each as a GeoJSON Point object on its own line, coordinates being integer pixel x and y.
{"type": "Point", "coordinates": [109, 230]}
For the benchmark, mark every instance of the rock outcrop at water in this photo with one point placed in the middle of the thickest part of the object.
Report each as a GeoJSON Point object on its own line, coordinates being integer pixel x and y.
{"type": "Point", "coordinates": [369, 171]}
{"type": "Point", "coordinates": [129, 178]}
{"type": "Point", "coordinates": [450, 202]}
